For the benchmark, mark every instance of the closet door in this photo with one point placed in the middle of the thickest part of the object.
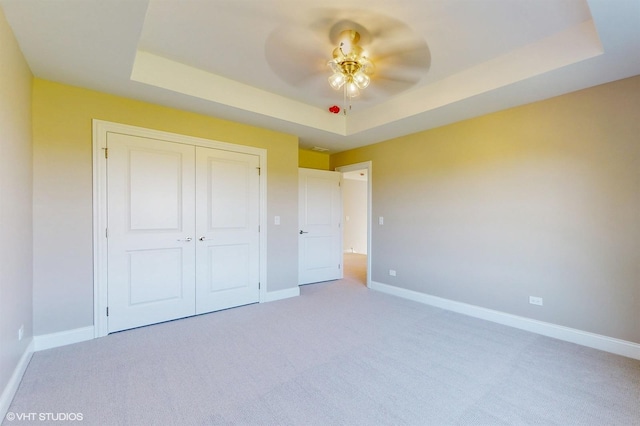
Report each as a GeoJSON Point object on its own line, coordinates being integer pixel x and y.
{"type": "Point", "coordinates": [227, 229]}
{"type": "Point", "coordinates": [151, 224]}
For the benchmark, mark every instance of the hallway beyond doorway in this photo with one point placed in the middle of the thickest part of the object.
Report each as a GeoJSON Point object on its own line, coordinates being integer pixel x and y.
{"type": "Point", "coordinates": [355, 267]}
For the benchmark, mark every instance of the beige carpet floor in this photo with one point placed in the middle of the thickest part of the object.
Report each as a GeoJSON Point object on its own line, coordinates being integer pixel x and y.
{"type": "Point", "coordinates": [340, 354]}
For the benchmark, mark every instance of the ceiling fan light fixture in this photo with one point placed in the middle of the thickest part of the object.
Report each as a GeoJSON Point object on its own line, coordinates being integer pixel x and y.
{"type": "Point", "coordinates": [351, 68]}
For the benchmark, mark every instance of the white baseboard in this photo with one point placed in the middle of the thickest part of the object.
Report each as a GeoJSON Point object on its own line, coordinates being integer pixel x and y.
{"type": "Point", "coordinates": [584, 338]}
{"type": "Point", "coordinates": [12, 386]}
{"type": "Point", "coordinates": [39, 343]}
{"type": "Point", "coordinates": [282, 294]}
{"type": "Point", "coordinates": [62, 338]}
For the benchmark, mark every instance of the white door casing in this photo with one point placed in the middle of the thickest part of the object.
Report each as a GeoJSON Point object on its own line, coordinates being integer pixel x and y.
{"type": "Point", "coordinates": [227, 220]}
{"type": "Point", "coordinates": [319, 220]}
{"type": "Point", "coordinates": [161, 191]}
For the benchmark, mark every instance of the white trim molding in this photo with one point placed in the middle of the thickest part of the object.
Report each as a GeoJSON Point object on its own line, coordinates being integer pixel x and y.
{"type": "Point", "coordinates": [368, 165]}
{"type": "Point", "coordinates": [14, 382]}
{"type": "Point", "coordinates": [584, 338]}
{"type": "Point", "coordinates": [40, 343]}
{"type": "Point", "coordinates": [63, 338]}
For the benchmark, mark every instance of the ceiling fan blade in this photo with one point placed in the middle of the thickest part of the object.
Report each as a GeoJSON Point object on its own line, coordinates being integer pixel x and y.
{"type": "Point", "coordinates": [384, 85]}
{"type": "Point", "coordinates": [408, 80]}
{"type": "Point", "coordinates": [388, 28]}
{"type": "Point", "coordinates": [410, 51]}
{"type": "Point", "coordinates": [384, 89]}
{"type": "Point", "coordinates": [294, 57]}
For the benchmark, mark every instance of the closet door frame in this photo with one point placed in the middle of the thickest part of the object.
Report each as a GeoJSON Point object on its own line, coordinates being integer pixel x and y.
{"type": "Point", "coordinates": [101, 129]}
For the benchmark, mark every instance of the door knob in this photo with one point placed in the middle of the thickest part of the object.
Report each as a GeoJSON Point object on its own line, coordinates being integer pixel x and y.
{"type": "Point", "coordinates": [303, 232]}
{"type": "Point", "coordinates": [202, 238]}
{"type": "Point", "coordinates": [187, 239]}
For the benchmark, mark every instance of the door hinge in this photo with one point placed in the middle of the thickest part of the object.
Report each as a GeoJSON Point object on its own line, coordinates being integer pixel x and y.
{"type": "Point", "coordinates": [106, 232]}
{"type": "Point", "coordinates": [258, 170]}
{"type": "Point", "coordinates": [339, 266]}
{"type": "Point", "coordinates": [106, 152]}
{"type": "Point", "coordinates": [107, 311]}
{"type": "Point", "coordinates": [258, 286]}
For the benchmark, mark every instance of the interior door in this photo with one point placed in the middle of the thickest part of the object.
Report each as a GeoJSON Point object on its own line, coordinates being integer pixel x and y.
{"type": "Point", "coordinates": [320, 234]}
{"type": "Point", "coordinates": [228, 219]}
{"type": "Point", "coordinates": [151, 244]}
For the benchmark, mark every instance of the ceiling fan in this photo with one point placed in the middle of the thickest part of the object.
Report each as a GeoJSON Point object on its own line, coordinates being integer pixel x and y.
{"type": "Point", "coordinates": [348, 50]}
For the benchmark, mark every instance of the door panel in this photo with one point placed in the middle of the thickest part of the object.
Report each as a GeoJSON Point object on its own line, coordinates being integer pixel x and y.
{"type": "Point", "coordinates": [227, 217]}
{"type": "Point", "coordinates": [155, 190]}
{"type": "Point", "coordinates": [319, 252]}
{"type": "Point", "coordinates": [228, 192]}
{"type": "Point", "coordinates": [154, 275]}
{"type": "Point", "coordinates": [222, 278]}
{"type": "Point", "coordinates": [320, 210]}
{"type": "Point", "coordinates": [151, 268]}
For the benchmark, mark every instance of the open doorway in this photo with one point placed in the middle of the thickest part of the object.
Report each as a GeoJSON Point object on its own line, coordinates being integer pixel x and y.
{"type": "Point", "coordinates": [356, 196]}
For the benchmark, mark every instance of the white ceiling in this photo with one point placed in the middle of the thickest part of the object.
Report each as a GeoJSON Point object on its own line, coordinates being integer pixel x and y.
{"type": "Point", "coordinates": [263, 62]}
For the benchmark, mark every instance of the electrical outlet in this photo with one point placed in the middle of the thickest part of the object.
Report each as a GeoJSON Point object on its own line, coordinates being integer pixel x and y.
{"type": "Point", "coordinates": [535, 300]}
{"type": "Point", "coordinates": [392, 272]}
{"type": "Point", "coordinates": [21, 332]}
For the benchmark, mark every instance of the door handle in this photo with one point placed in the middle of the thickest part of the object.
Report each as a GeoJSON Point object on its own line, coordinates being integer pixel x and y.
{"type": "Point", "coordinates": [303, 232]}
{"type": "Point", "coordinates": [203, 238]}
{"type": "Point", "coordinates": [186, 239]}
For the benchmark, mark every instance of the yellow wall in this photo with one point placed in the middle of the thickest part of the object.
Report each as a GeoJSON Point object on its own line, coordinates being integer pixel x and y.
{"type": "Point", "coordinates": [541, 200]}
{"type": "Point", "coordinates": [62, 141]}
{"type": "Point", "coordinates": [15, 206]}
{"type": "Point", "coordinates": [313, 160]}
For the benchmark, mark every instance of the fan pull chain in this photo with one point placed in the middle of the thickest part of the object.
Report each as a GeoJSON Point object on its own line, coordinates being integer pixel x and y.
{"type": "Point", "coordinates": [344, 100]}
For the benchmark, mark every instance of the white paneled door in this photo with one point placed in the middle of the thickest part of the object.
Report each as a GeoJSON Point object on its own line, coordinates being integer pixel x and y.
{"type": "Point", "coordinates": [182, 230]}
{"type": "Point", "coordinates": [227, 222]}
{"type": "Point", "coordinates": [151, 252]}
{"type": "Point", "coordinates": [320, 233]}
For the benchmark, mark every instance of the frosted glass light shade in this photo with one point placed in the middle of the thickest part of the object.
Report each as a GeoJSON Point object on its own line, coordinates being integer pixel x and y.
{"type": "Point", "coordinates": [366, 66]}
{"type": "Point", "coordinates": [334, 65]}
{"type": "Point", "coordinates": [352, 89]}
{"type": "Point", "coordinates": [337, 80]}
{"type": "Point", "coordinates": [361, 79]}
